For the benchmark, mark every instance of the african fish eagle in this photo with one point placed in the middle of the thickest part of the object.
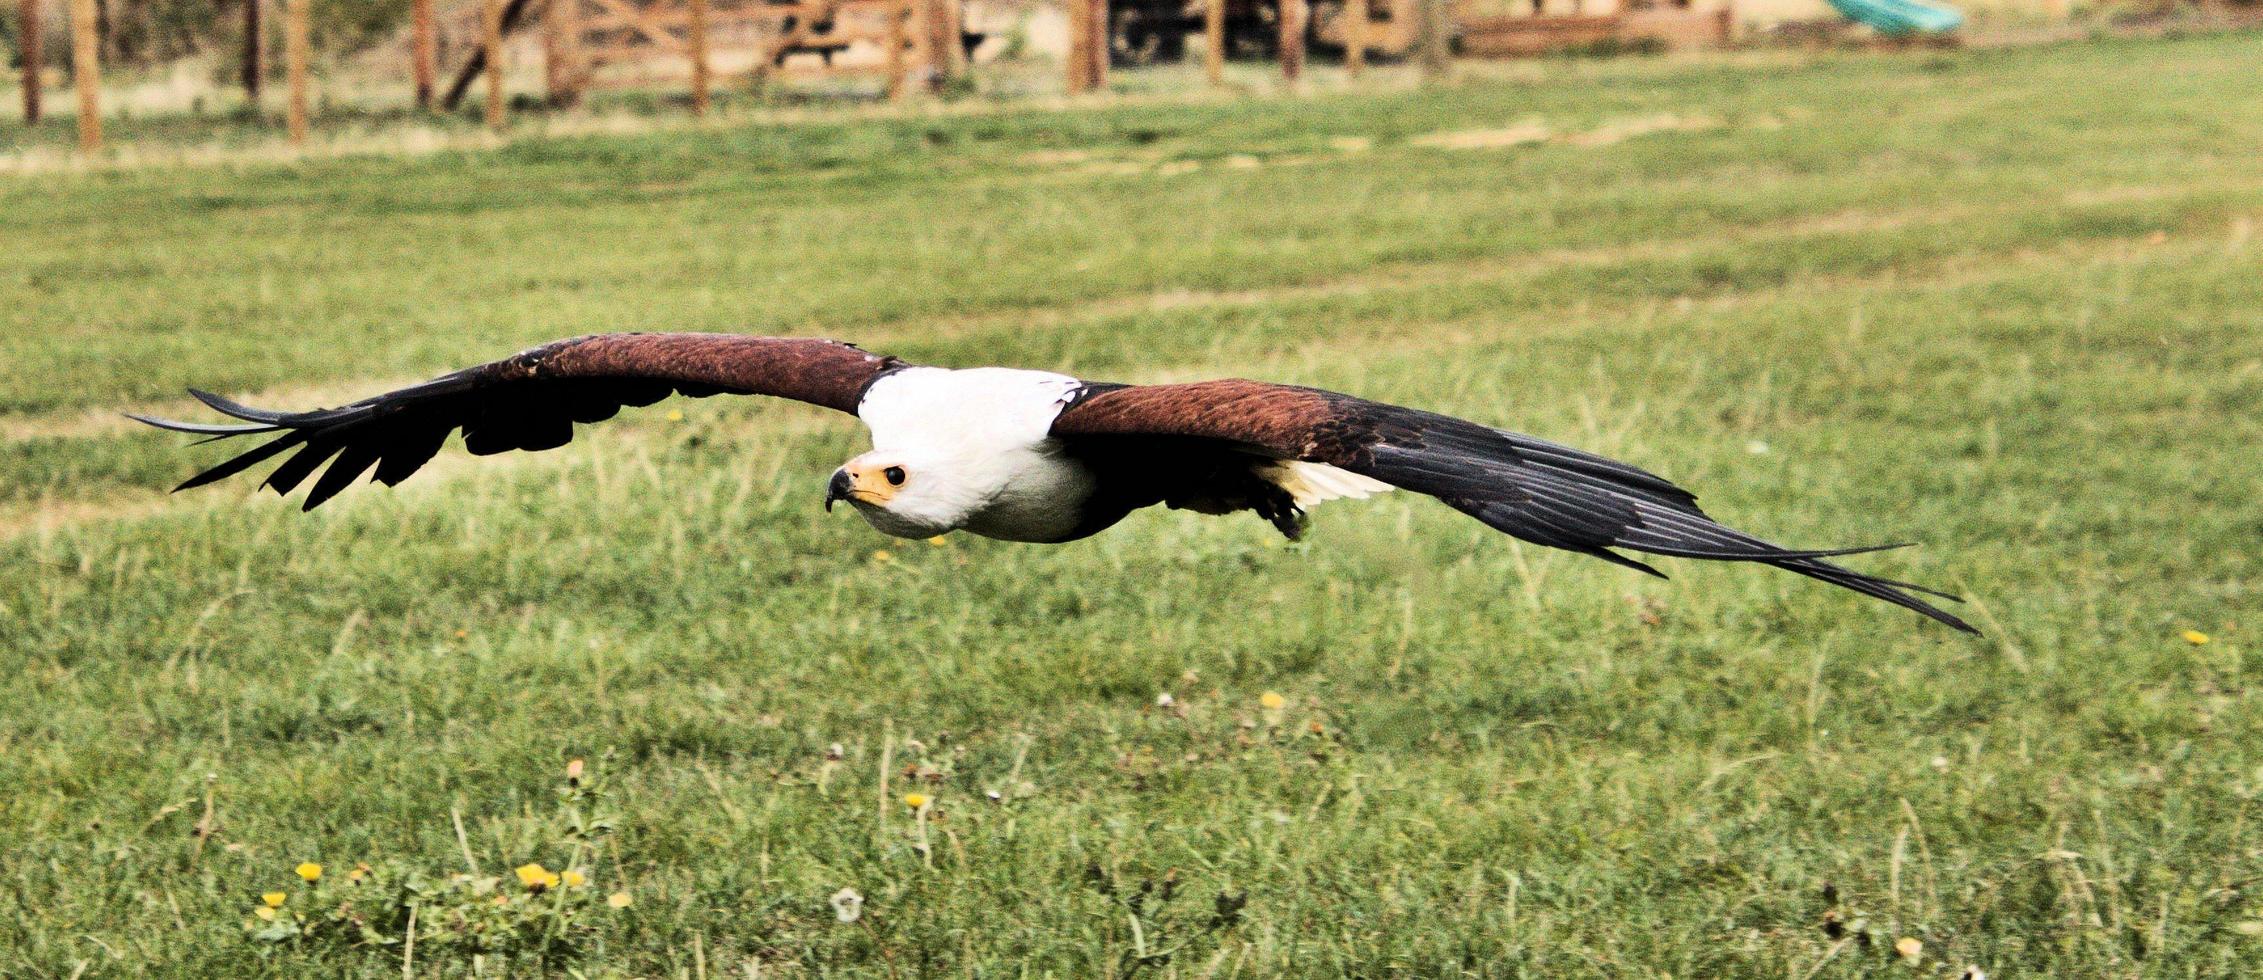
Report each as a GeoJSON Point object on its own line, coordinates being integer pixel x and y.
{"type": "Point", "coordinates": [1031, 455]}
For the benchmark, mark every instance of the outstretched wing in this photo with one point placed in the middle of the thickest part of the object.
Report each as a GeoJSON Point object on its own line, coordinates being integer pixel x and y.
{"type": "Point", "coordinates": [1535, 490]}
{"type": "Point", "coordinates": [530, 401]}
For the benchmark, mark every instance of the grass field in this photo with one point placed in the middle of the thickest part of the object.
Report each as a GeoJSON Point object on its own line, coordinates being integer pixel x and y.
{"type": "Point", "coordinates": [2003, 303]}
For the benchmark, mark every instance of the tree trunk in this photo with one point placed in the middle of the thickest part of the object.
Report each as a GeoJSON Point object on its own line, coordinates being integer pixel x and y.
{"type": "Point", "coordinates": [27, 25]}
{"type": "Point", "coordinates": [255, 51]}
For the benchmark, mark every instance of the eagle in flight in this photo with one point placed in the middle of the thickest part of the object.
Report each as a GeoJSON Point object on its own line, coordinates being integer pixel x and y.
{"type": "Point", "coordinates": [1031, 455]}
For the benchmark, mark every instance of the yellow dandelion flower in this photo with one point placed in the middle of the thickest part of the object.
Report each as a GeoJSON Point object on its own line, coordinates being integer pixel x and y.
{"type": "Point", "coordinates": [915, 800]}
{"type": "Point", "coordinates": [883, 555]}
{"type": "Point", "coordinates": [675, 415]}
{"type": "Point", "coordinates": [620, 900]}
{"type": "Point", "coordinates": [939, 541]}
{"type": "Point", "coordinates": [1910, 948]}
{"type": "Point", "coordinates": [2195, 637]}
{"type": "Point", "coordinates": [309, 871]}
{"type": "Point", "coordinates": [532, 875]}
{"type": "Point", "coordinates": [264, 913]}
{"type": "Point", "coordinates": [1272, 701]}
{"type": "Point", "coordinates": [573, 879]}
{"type": "Point", "coordinates": [274, 900]}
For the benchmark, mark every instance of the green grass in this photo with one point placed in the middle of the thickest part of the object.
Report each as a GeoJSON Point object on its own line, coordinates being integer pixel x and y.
{"type": "Point", "coordinates": [2005, 303]}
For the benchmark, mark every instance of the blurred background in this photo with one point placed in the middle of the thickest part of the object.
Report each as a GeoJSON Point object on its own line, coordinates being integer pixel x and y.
{"type": "Point", "coordinates": [232, 62]}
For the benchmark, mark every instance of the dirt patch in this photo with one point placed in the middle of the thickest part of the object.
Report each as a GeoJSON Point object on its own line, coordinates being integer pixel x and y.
{"type": "Point", "coordinates": [1521, 134]}
{"type": "Point", "coordinates": [1536, 131]}
{"type": "Point", "coordinates": [1620, 130]}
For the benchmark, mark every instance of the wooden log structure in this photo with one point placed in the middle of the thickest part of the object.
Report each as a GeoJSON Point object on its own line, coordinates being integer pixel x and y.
{"type": "Point", "coordinates": [1098, 44]}
{"type": "Point", "coordinates": [613, 32]}
{"type": "Point", "coordinates": [1493, 37]}
{"type": "Point", "coordinates": [553, 63]}
{"type": "Point", "coordinates": [899, 37]}
{"type": "Point", "coordinates": [295, 55]}
{"type": "Point", "coordinates": [1669, 28]}
{"type": "Point", "coordinates": [1433, 38]}
{"type": "Point", "coordinates": [1080, 46]}
{"type": "Point", "coordinates": [942, 39]}
{"type": "Point", "coordinates": [86, 72]}
{"type": "Point", "coordinates": [564, 70]}
{"type": "Point", "coordinates": [254, 68]}
{"type": "Point", "coordinates": [1291, 21]}
{"type": "Point", "coordinates": [1214, 41]}
{"type": "Point", "coordinates": [423, 51]}
{"type": "Point", "coordinates": [698, 42]}
{"type": "Point", "coordinates": [29, 31]}
{"type": "Point", "coordinates": [1356, 14]}
{"type": "Point", "coordinates": [958, 55]}
{"type": "Point", "coordinates": [491, 43]}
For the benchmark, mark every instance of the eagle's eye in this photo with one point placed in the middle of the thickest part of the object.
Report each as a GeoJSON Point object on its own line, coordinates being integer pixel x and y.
{"type": "Point", "coordinates": [895, 475]}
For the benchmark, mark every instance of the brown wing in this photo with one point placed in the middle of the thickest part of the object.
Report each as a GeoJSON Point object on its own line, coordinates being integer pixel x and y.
{"type": "Point", "coordinates": [1530, 488]}
{"type": "Point", "coordinates": [531, 401]}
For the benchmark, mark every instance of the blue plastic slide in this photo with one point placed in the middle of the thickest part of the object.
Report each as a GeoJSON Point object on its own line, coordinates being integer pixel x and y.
{"type": "Point", "coordinates": [1898, 17]}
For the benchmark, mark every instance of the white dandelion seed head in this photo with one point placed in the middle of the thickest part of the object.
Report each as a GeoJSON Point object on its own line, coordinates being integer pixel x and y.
{"type": "Point", "coordinates": [848, 906]}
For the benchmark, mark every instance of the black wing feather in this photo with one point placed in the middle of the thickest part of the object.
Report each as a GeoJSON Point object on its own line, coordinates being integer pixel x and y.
{"type": "Point", "coordinates": [294, 471]}
{"type": "Point", "coordinates": [529, 401]}
{"type": "Point", "coordinates": [353, 460]}
{"type": "Point", "coordinates": [238, 464]}
{"type": "Point", "coordinates": [1560, 497]}
{"type": "Point", "coordinates": [415, 446]}
{"type": "Point", "coordinates": [1540, 491]}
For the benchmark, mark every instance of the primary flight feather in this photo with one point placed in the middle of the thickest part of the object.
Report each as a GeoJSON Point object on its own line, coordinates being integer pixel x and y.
{"type": "Point", "coordinates": [1031, 455]}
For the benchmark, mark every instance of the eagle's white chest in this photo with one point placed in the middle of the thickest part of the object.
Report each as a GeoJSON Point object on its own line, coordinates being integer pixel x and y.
{"type": "Point", "coordinates": [981, 437]}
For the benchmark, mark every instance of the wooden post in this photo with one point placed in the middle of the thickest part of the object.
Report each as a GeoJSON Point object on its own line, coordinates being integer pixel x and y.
{"type": "Point", "coordinates": [562, 62]}
{"type": "Point", "coordinates": [491, 36]}
{"type": "Point", "coordinates": [295, 58]}
{"type": "Point", "coordinates": [1099, 43]}
{"type": "Point", "coordinates": [699, 57]}
{"type": "Point", "coordinates": [423, 55]}
{"type": "Point", "coordinates": [1355, 37]}
{"type": "Point", "coordinates": [28, 35]}
{"type": "Point", "coordinates": [942, 37]}
{"type": "Point", "coordinates": [899, 36]}
{"type": "Point", "coordinates": [961, 60]}
{"type": "Point", "coordinates": [1292, 40]}
{"type": "Point", "coordinates": [86, 70]}
{"type": "Point", "coordinates": [1080, 46]}
{"type": "Point", "coordinates": [1214, 34]}
{"type": "Point", "coordinates": [1435, 30]}
{"type": "Point", "coordinates": [553, 66]}
{"type": "Point", "coordinates": [254, 69]}
{"type": "Point", "coordinates": [575, 66]}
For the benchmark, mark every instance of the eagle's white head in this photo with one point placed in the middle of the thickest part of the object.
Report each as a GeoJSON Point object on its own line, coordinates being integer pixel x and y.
{"type": "Point", "coordinates": [967, 450]}
{"type": "Point", "coordinates": [907, 495]}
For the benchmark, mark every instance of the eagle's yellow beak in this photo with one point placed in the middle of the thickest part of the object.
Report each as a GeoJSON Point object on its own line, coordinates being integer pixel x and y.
{"type": "Point", "coordinates": [869, 484]}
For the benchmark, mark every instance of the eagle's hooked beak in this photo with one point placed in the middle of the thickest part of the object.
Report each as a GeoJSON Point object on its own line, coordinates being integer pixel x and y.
{"type": "Point", "coordinates": [839, 488]}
